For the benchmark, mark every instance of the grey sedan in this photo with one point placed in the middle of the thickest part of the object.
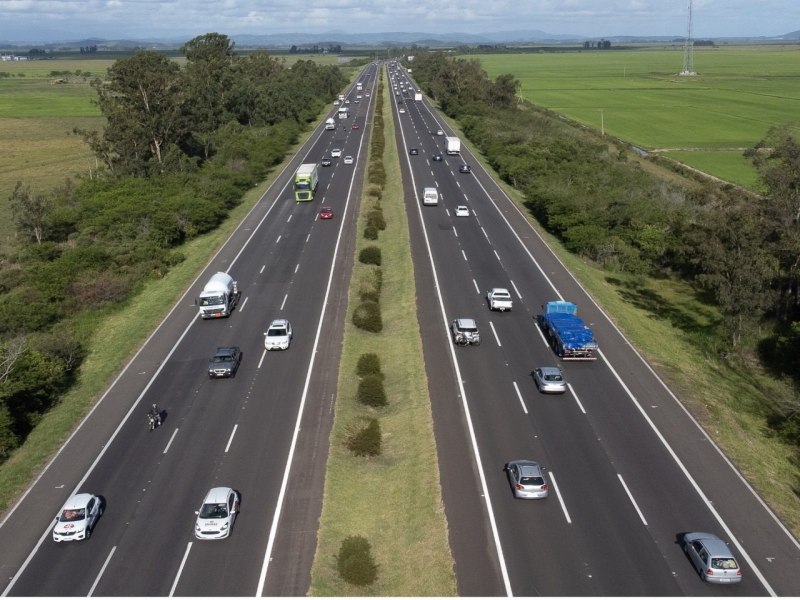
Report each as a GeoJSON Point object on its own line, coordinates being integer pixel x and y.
{"type": "Point", "coordinates": [526, 478]}
{"type": "Point", "coordinates": [550, 380]}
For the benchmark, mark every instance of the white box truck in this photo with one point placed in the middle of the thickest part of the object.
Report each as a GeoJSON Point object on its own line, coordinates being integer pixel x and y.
{"type": "Point", "coordinates": [417, 97]}
{"type": "Point", "coordinates": [330, 123]}
{"type": "Point", "coordinates": [430, 197]}
{"type": "Point", "coordinates": [453, 145]}
{"type": "Point", "coordinates": [219, 296]}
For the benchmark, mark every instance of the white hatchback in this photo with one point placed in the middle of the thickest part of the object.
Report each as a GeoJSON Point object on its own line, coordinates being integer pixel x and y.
{"type": "Point", "coordinates": [462, 211]}
{"type": "Point", "coordinates": [77, 518]}
{"type": "Point", "coordinates": [336, 152]}
{"type": "Point", "coordinates": [348, 160]}
{"type": "Point", "coordinates": [217, 514]}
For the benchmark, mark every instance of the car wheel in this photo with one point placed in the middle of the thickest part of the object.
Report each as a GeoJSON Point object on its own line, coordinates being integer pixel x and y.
{"type": "Point", "coordinates": [88, 533]}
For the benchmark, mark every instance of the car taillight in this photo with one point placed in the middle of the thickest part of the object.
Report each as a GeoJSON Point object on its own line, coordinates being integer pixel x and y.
{"type": "Point", "coordinates": [739, 572]}
{"type": "Point", "coordinates": [709, 571]}
{"type": "Point", "coordinates": [544, 487]}
{"type": "Point", "coordinates": [519, 486]}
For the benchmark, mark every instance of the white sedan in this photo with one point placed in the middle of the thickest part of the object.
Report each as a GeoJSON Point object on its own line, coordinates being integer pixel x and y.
{"type": "Point", "coordinates": [77, 518]}
{"type": "Point", "coordinates": [336, 152]}
{"type": "Point", "coordinates": [348, 160]}
{"type": "Point", "coordinates": [462, 211]}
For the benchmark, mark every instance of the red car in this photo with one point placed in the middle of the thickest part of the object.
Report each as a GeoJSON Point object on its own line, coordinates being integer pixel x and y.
{"type": "Point", "coordinates": [326, 213]}
{"type": "Point", "coordinates": [355, 125]}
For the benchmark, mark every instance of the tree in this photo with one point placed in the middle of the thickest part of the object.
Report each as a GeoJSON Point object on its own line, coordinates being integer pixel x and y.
{"type": "Point", "coordinates": [142, 101]}
{"type": "Point", "coordinates": [30, 212]}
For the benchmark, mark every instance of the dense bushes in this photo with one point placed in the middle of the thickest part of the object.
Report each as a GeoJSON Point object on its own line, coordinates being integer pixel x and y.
{"type": "Point", "coordinates": [354, 561]}
{"type": "Point", "coordinates": [367, 316]}
{"type": "Point", "coordinates": [371, 392]}
{"type": "Point", "coordinates": [365, 439]}
{"type": "Point", "coordinates": [368, 364]}
{"type": "Point", "coordinates": [371, 255]}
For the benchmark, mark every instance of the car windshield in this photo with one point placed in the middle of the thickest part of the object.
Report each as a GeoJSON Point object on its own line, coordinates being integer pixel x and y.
{"type": "Point", "coordinates": [553, 377]}
{"type": "Point", "coordinates": [531, 481]}
{"type": "Point", "coordinates": [276, 332]}
{"type": "Point", "coordinates": [221, 358]}
{"type": "Point", "coordinates": [723, 563]}
{"type": "Point", "coordinates": [469, 329]}
{"type": "Point", "coordinates": [73, 514]}
{"type": "Point", "coordinates": [214, 511]}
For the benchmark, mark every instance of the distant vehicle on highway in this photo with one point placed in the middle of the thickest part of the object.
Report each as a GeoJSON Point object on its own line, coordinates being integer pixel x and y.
{"type": "Point", "coordinates": [77, 518]}
{"type": "Point", "coordinates": [402, 111]}
{"type": "Point", "coordinates": [413, 151]}
{"type": "Point", "coordinates": [326, 161]}
{"type": "Point", "coordinates": [326, 212]}
{"type": "Point", "coordinates": [549, 380]}
{"type": "Point", "coordinates": [336, 152]}
{"type": "Point", "coordinates": [499, 299]}
{"type": "Point", "coordinates": [217, 514]}
{"type": "Point", "coordinates": [527, 479]}
{"type": "Point", "coordinates": [355, 125]}
{"type": "Point", "coordinates": [348, 160]}
{"type": "Point", "coordinates": [465, 332]}
{"type": "Point", "coordinates": [436, 158]}
{"type": "Point", "coordinates": [462, 211]}
{"type": "Point", "coordinates": [464, 168]}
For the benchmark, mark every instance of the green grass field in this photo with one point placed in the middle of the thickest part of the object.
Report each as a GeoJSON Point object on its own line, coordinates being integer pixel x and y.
{"type": "Point", "coordinates": [637, 95]}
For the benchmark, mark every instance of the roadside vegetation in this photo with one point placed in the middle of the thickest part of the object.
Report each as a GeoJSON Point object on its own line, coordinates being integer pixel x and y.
{"type": "Point", "coordinates": [702, 276]}
{"type": "Point", "coordinates": [171, 172]}
{"type": "Point", "coordinates": [383, 530]}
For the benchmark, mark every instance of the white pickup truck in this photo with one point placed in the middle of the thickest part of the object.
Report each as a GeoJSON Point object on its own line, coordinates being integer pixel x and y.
{"type": "Point", "coordinates": [499, 299]}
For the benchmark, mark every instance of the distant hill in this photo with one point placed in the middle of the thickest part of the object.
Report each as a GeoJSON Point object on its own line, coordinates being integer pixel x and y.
{"type": "Point", "coordinates": [382, 39]}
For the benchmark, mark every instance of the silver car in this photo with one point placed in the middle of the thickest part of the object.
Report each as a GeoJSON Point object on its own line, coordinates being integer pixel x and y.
{"type": "Point", "coordinates": [712, 558]}
{"type": "Point", "coordinates": [279, 335]}
{"type": "Point", "coordinates": [527, 479]}
{"type": "Point", "coordinates": [550, 380]}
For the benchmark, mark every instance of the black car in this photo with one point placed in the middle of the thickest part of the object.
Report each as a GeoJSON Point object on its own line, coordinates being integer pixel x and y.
{"type": "Point", "coordinates": [225, 362]}
{"type": "Point", "coordinates": [464, 168]}
{"type": "Point", "coordinates": [436, 158]}
{"type": "Point", "coordinates": [325, 162]}
{"type": "Point", "coordinates": [413, 151]}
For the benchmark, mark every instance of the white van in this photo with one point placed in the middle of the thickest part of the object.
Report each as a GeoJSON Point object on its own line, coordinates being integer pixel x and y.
{"type": "Point", "coordinates": [430, 197]}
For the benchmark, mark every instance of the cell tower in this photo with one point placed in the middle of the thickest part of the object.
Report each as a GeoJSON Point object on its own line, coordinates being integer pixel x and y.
{"type": "Point", "coordinates": [688, 48]}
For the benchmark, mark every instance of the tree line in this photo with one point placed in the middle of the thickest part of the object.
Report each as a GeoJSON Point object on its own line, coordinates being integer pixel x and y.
{"type": "Point", "coordinates": [180, 147]}
{"type": "Point", "coordinates": [739, 250]}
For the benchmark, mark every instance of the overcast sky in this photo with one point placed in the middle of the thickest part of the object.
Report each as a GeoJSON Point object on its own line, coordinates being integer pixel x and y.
{"type": "Point", "coordinates": [50, 20]}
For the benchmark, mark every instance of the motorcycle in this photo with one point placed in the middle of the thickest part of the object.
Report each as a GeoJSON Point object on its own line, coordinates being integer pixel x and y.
{"type": "Point", "coordinates": [153, 417]}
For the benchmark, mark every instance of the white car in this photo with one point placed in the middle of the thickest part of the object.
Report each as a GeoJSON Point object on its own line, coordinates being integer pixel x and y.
{"type": "Point", "coordinates": [439, 132]}
{"type": "Point", "coordinates": [336, 152]}
{"type": "Point", "coordinates": [348, 160]}
{"type": "Point", "coordinates": [402, 111]}
{"type": "Point", "coordinates": [217, 514]}
{"type": "Point", "coordinates": [462, 211]}
{"type": "Point", "coordinates": [77, 518]}
{"type": "Point", "coordinates": [279, 335]}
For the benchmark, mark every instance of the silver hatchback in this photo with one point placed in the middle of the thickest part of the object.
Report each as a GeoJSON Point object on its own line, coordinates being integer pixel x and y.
{"type": "Point", "coordinates": [712, 558]}
{"type": "Point", "coordinates": [526, 478]}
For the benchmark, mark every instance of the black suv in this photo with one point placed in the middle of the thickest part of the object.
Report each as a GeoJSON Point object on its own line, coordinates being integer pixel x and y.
{"type": "Point", "coordinates": [225, 362]}
{"type": "Point", "coordinates": [464, 168]}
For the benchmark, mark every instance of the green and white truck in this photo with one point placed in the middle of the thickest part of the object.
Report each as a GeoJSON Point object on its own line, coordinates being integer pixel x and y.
{"type": "Point", "coordinates": [306, 180]}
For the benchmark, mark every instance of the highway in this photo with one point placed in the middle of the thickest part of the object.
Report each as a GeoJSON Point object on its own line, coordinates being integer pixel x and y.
{"type": "Point", "coordinates": [263, 432]}
{"type": "Point", "coordinates": [629, 469]}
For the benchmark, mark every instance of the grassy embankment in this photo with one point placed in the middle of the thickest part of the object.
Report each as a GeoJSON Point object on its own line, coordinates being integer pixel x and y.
{"type": "Point", "coordinates": [704, 121]}
{"type": "Point", "coordinates": [393, 500]}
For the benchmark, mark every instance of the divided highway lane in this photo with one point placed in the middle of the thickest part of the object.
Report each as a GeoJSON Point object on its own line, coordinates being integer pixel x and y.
{"type": "Point", "coordinates": [233, 432]}
{"type": "Point", "coordinates": [625, 496]}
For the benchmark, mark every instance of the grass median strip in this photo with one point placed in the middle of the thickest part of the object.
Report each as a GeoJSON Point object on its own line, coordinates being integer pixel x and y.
{"type": "Point", "coordinates": [392, 499]}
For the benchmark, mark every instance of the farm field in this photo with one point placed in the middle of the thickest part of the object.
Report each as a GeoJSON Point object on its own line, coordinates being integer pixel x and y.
{"type": "Point", "coordinates": [704, 121]}
{"type": "Point", "coordinates": [37, 117]}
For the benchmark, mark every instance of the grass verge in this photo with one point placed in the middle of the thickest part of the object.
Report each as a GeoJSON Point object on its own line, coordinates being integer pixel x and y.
{"type": "Point", "coordinates": [394, 499]}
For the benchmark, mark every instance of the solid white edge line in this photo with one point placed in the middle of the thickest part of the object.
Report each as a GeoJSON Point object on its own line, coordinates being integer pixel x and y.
{"type": "Point", "coordinates": [230, 439]}
{"type": "Point", "coordinates": [519, 395]}
{"type": "Point", "coordinates": [100, 574]}
{"type": "Point", "coordinates": [180, 570]}
{"type": "Point", "coordinates": [467, 415]}
{"type": "Point", "coordinates": [560, 499]}
{"type": "Point", "coordinates": [273, 531]}
{"type": "Point", "coordinates": [574, 395]}
{"type": "Point", "coordinates": [630, 497]}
